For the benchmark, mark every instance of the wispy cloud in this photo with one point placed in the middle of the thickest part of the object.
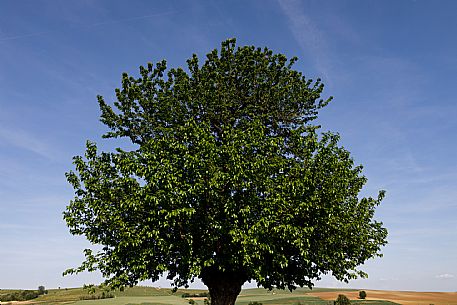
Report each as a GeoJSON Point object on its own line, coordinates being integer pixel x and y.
{"type": "Point", "coordinates": [87, 26]}
{"type": "Point", "coordinates": [26, 141]}
{"type": "Point", "coordinates": [308, 36]}
{"type": "Point", "coordinates": [445, 276]}
{"type": "Point", "coordinates": [388, 279]}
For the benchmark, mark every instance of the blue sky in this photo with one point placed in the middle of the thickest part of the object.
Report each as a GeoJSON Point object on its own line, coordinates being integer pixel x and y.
{"type": "Point", "coordinates": [390, 65]}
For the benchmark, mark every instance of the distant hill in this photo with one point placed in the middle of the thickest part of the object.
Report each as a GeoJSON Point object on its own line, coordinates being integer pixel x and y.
{"type": "Point", "coordinates": [143, 295]}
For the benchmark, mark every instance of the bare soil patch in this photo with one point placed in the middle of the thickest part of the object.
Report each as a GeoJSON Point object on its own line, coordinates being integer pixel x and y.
{"type": "Point", "coordinates": [196, 298]}
{"type": "Point", "coordinates": [401, 297]}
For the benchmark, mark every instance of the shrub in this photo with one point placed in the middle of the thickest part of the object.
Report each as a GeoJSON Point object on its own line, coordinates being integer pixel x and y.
{"type": "Point", "coordinates": [342, 300]}
{"type": "Point", "coordinates": [255, 303]}
{"type": "Point", "coordinates": [362, 294]}
{"type": "Point", "coordinates": [104, 295]}
{"type": "Point", "coordinates": [191, 302]}
{"type": "Point", "coordinates": [23, 295]}
{"type": "Point", "coordinates": [195, 295]}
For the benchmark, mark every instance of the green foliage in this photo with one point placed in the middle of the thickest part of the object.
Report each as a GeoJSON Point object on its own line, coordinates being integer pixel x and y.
{"type": "Point", "coordinates": [91, 288]}
{"type": "Point", "coordinates": [42, 290]}
{"type": "Point", "coordinates": [226, 177]}
{"type": "Point", "coordinates": [255, 303]}
{"type": "Point", "coordinates": [362, 294]}
{"type": "Point", "coordinates": [195, 295]}
{"type": "Point", "coordinates": [342, 300]}
{"type": "Point", "coordinates": [191, 302]}
{"type": "Point", "coordinates": [22, 295]}
{"type": "Point", "coordinates": [103, 295]}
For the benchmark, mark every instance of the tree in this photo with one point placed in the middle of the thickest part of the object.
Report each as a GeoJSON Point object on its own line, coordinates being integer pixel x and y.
{"type": "Point", "coordinates": [342, 300]}
{"type": "Point", "coordinates": [41, 290]}
{"type": "Point", "coordinates": [362, 294]}
{"type": "Point", "coordinates": [226, 180]}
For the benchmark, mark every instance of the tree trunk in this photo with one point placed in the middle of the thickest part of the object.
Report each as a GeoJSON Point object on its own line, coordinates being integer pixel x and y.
{"type": "Point", "coordinates": [224, 287]}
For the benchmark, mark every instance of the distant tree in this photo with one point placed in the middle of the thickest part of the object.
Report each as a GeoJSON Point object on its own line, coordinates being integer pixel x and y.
{"type": "Point", "coordinates": [342, 300]}
{"type": "Point", "coordinates": [362, 294]}
{"type": "Point", "coordinates": [41, 290]}
{"type": "Point", "coordinates": [226, 180]}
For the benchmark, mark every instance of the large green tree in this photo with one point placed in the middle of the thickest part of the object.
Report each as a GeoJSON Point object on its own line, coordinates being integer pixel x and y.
{"type": "Point", "coordinates": [228, 180]}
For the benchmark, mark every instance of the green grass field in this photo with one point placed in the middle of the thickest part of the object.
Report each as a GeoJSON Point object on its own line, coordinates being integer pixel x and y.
{"type": "Point", "coordinates": [156, 296]}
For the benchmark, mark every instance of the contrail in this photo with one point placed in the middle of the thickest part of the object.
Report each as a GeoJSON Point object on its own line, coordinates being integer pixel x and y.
{"type": "Point", "coordinates": [88, 26]}
{"type": "Point", "coordinates": [24, 36]}
{"type": "Point", "coordinates": [130, 19]}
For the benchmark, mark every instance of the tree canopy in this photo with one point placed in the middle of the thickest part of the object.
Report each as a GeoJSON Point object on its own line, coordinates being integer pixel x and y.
{"type": "Point", "coordinates": [229, 180]}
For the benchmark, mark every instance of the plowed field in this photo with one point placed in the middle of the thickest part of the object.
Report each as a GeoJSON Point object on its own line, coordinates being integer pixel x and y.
{"type": "Point", "coordinates": [401, 297]}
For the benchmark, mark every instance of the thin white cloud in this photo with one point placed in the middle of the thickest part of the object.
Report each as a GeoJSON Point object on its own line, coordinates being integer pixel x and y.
{"type": "Point", "coordinates": [389, 279]}
{"type": "Point", "coordinates": [88, 25]}
{"type": "Point", "coordinates": [14, 37]}
{"type": "Point", "coordinates": [308, 36]}
{"type": "Point", "coordinates": [25, 141]}
{"type": "Point", "coordinates": [445, 276]}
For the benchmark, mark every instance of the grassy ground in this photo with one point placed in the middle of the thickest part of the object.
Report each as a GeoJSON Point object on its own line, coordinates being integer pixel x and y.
{"type": "Point", "coordinates": [6, 291]}
{"type": "Point", "coordinates": [156, 296]}
{"type": "Point", "coordinates": [130, 300]}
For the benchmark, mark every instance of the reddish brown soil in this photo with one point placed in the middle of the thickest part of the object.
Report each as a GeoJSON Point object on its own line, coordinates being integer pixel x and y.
{"type": "Point", "coordinates": [196, 298]}
{"type": "Point", "coordinates": [401, 297]}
